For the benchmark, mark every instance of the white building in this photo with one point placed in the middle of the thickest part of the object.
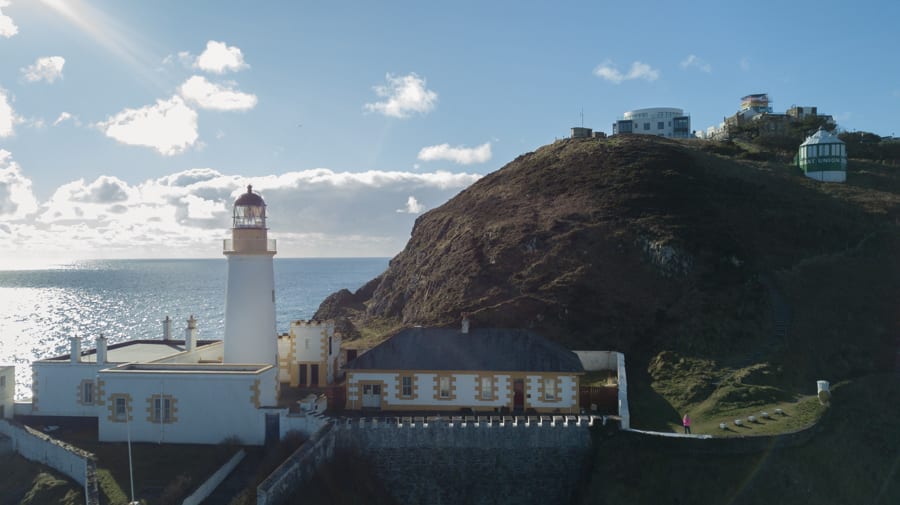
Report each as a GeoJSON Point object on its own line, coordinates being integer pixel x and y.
{"type": "Point", "coordinates": [485, 370]}
{"type": "Point", "coordinates": [310, 355]}
{"type": "Point", "coordinates": [7, 390]}
{"type": "Point", "coordinates": [823, 157]}
{"type": "Point", "coordinates": [190, 391]}
{"type": "Point", "coordinates": [660, 121]}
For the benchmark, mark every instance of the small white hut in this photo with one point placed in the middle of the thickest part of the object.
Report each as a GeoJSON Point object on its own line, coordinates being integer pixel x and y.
{"type": "Point", "coordinates": [823, 157]}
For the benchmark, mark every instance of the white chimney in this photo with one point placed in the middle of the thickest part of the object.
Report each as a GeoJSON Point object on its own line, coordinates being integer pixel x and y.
{"type": "Point", "coordinates": [75, 350]}
{"type": "Point", "coordinates": [101, 349]}
{"type": "Point", "coordinates": [465, 324]}
{"type": "Point", "coordinates": [190, 334]}
{"type": "Point", "coordinates": [167, 328]}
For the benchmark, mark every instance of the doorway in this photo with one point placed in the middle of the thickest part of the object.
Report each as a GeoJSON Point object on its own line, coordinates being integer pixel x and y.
{"type": "Point", "coordinates": [273, 428]}
{"type": "Point", "coordinates": [518, 395]}
{"type": "Point", "coordinates": [371, 396]}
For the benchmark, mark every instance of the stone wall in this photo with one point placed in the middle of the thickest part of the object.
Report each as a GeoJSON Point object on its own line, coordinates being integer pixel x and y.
{"type": "Point", "coordinates": [68, 460]}
{"type": "Point", "coordinates": [492, 461]}
{"type": "Point", "coordinates": [298, 468]}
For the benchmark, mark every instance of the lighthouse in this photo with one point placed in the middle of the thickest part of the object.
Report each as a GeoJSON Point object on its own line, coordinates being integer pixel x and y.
{"type": "Point", "coordinates": [250, 335]}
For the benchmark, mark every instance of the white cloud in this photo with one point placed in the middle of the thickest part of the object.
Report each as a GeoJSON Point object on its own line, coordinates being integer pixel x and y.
{"type": "Point", "coordinates": [404, 96]}
{"type": "Point", "coordinates": [214, 96]}
{"type": "Point", "coordinates": [412, 206]}
{"type": "Point", "coordinates": [461, 155]}
{"type": "Point", "coordinates": [8, 118]}
{"type": "Point", "coordinates": [316, 212]}
{"type": "Point", "coordinates": [8, 27]}
{"type": "Point", "coordinates": [169, 126]}
{"type": "Point", "coordinates": [694, 61]}
{"type": "Point", "coordinates": [638, 70]}
{"type": "Point", "coordinates": [16, 197]}
{"type": "Point", "coordinates": [48, 68]}
{"type": "Point", "coordinates": [63, 116]}
{"type": "Point", "coordinates": [219, 58]}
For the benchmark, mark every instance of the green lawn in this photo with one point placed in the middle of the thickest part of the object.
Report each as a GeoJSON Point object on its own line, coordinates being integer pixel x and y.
{"type": "Point", "coordinates": [28, 483]}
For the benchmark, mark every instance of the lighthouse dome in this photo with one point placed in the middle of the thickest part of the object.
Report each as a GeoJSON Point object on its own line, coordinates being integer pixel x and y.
{"type": "Point", "coordinates": [250, 210]}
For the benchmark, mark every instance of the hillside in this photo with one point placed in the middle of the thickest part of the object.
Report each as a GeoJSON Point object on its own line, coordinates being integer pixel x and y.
{"type": "Point", "coordinates": [644, 245]}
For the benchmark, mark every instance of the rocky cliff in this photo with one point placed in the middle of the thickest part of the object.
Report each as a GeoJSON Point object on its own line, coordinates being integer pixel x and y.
{"type": "Point", "coordinates": [642, 244]}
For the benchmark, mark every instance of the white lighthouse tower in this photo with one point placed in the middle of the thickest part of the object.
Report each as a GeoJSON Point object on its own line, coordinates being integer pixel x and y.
{"type": "Point", "coordinates": [250, 335]}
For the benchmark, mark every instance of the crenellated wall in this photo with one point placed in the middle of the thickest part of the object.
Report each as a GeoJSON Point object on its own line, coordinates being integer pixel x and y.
{"type": "Point", "coordinates": [453, 460]}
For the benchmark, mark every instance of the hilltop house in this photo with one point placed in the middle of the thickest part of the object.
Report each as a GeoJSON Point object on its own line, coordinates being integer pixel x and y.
{"type": "Point", "coordinates": [823, 157]}
{"type": "Point", "coordinates": [485, 370]}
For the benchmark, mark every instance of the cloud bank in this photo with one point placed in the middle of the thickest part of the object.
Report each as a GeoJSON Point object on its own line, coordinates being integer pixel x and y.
{"type": "Point", "coordinates": [317, 212]}
{"type": "Point", "coordinates": [169, 126]}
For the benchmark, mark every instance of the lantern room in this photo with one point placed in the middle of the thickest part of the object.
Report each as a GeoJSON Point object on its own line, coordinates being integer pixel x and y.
{"type": "Point", "coordinates": [249, 210]}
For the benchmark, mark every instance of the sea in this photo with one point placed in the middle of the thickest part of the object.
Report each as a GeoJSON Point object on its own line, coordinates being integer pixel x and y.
{"type": "Point", "coordinates": [128, 299]}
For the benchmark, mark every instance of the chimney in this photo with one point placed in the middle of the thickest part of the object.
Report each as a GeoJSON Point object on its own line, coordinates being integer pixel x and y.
{"type": "Point", "coordinates": [101, 349]}
{"type": "Point", "coordinates": [167, 328]}
{"type": "Point", "coordinates": [75, 352]}
{"type": "Point", "coordinates": [465, 323]}
{"type": "Point", "coordinates": [190, 334]}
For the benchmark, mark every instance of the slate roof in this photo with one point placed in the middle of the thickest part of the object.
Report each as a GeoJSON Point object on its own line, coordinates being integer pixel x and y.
{"type": "Point", "coordinates": [483, 349]}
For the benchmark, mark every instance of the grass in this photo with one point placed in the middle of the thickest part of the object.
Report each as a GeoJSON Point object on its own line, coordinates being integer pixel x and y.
{"type": "Point", "coordinates": [853, 458]}
{"type": "Point", "coordinates": [163, 473]}
{"type": "Point", "coordinates": [28, 483]}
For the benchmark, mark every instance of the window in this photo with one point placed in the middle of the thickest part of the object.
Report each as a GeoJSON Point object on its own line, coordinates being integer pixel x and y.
{"type": "Point", "coordinates": [549, 388]}
{"type": "Point", "coordinates": [306, 344]}
{"type": "Point", "coordinates": [161, 409]}
{"type": "Point", "coordinates": [646, 126]}
{"type": "Point", "coordinates": [121, 409]}
{"type": "Point", "coordinates": [2, 381]}
{"type": "Point", "coordinates": [406, 385]}
{"type": "Point", "coordinates": [87, 393]}
{"type": "Point", "coordinates": [329, 346]}
{"type": "Point", "coordinates": [444, 387]}
{"type": "Point", "coordinates": [661, 125]}
{"type": "Point", "coordinates": [487, 388]}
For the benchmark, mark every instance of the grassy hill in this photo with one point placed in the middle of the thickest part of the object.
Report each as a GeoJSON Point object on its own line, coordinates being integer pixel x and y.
{"type": "Point", "coordinates": [730, 280]}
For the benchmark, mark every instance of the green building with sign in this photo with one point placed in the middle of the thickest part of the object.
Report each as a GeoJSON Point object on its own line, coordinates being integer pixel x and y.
{"type": "Point", "coordinates": [823, 157]}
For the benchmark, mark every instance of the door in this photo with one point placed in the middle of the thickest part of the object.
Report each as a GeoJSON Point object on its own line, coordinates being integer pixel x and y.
{"type": "Point", "coordinates": [314, 375]}
{"type": "Point", "coordinates": [518, 395]}
{"type": "Point", "coordinates": [371, 397]}
{"type": "Point", "coordinates": [273, 428]}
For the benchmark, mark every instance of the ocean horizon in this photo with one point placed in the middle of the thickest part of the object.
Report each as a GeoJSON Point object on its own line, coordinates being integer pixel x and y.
{"type": "Point", "coordinates": [127, 299]}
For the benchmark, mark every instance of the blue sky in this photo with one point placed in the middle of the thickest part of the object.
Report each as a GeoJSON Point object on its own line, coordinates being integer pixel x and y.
{"type": "Point", "coordinates": [126, 128]}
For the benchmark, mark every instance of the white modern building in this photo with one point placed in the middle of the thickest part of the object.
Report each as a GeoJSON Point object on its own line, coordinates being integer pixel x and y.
{"type": "Point", "coordinates": [823, 157]}
{"type": "Point", "coordinates": [660, 121]}
{"type": "Point", "coordinates": [190, 391]}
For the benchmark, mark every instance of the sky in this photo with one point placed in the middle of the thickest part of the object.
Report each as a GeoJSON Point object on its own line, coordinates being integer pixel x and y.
{"type": "Point", "coordinates": [128, 128]}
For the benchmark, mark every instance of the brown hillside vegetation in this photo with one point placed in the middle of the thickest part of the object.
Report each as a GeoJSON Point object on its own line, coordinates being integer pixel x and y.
{"type": "Point", "coordinates": [643, 245]}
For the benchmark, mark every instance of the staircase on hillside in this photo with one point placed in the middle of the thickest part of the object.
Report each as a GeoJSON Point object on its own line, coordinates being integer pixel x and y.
{"type": "Point", "coordinates": [91, 488]}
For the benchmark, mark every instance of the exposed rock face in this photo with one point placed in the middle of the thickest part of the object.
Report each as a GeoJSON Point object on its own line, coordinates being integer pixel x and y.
{"type": "Point", "coordinates": [623, 243]}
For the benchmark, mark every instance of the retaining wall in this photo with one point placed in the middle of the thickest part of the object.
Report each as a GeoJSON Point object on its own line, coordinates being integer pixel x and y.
{"type": "Point", "coordinates": [298, 468]}
{"type": "Point", "coordinates": [205, 489]}
{"type": "Point", "coordinates": [71, 461]}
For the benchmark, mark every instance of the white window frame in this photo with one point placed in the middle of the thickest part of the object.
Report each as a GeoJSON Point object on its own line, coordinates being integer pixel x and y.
{"type": "Point", "coordinates": [487, 393]}
{"type": "Point", "coordinates": [120, 415]}
{"type": "Point", "coordinates": [87, 393]}
{"type": "Point", "coordinates": [406, 386]}
{"type": "Point", "coordinates": [162, 409]}
{"type": "Point", "coordinates": [549, 388]}
{"type": "Point", "coordinates": [444, 392]}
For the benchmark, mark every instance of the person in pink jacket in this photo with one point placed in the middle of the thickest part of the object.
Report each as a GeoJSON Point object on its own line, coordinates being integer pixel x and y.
{"type": "Point", "coordinates": [686, 421]}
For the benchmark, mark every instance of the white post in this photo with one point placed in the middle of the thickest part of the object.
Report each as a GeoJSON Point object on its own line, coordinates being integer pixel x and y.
{"type": "Point", "coordinates": [101, 349]}
{"type": "Point", "coordinates": [75, 349]}
{"type": "Point", "coordinates": [167, 328]}
{"type": "Point", "coordinates": [190, 334]}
